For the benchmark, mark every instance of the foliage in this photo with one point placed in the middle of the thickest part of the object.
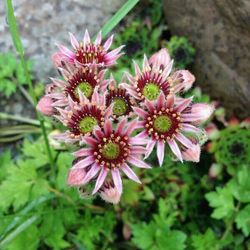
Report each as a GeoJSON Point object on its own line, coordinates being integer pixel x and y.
{"type": "Point", "coordinates": [182, 51]}
{"type": "Point", "coordinates": [11, 74]}
{"type": "Point", "coordinates": [179, 206]}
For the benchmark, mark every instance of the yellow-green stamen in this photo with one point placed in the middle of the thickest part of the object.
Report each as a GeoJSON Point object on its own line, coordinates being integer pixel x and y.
{"type": "Point", "coordinates": [87, 124]}
{"type": "Point", "coordinates": [162, 123]}
{"type": "Point", "coordinates": [151, 91]}
{"type": "Point", "coordinates": [120, 106]}
{"type": "Point", "coordinates": [84, 87]}
{"type": "Point", "coordinates": [111, 151]}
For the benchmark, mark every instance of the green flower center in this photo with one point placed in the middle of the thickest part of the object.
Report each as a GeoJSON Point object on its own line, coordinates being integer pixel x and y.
{"type": "Point", "coordinates": [87, 124]}
{"type": "Point", "coordinates": [85, 87]}
{"type": "Point", "coordinates": [120, 106]}
{"type": "Point", "coordinates": [151, 91]}
{"type": "Point", "coordinates": [111, 151]}
{"type": "Point", "coordinates": [162, 123]}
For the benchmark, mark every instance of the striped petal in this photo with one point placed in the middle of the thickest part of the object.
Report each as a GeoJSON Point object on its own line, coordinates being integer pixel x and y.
{"type": "Point", "coordinates": [130, 173]}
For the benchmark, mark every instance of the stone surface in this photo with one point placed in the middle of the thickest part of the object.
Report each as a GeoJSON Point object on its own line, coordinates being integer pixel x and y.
{"type": "Point", "coordinates": [220, 31]}
{"type": "Point", "coordinates": [43, 23]}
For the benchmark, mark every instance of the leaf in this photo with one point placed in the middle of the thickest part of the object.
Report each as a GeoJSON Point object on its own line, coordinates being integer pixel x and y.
{"type": "Point", "coordinates": [53, 230]}
{"type": "Point", "coordinates": [243, 220]}
{"type": "Point", "coordinates": [7, 87]}
{"type": "Point", "coordinates": [241, 185]}
{"type": "Point", "coordinates": [13, 27]}
{"type": "Point", "coordinates": [17, 232]}
{"type": "Point", "coordinates": [131, 194]}
{"type": "Point", "coordinates": [5, 159]}
{"type": "Point", "coordinates": [222, 202]}
{"type": "Point", "coordinates": [151, 236]}
{"type": "Point", "coordinates": [118, 16]}
{"type": "Point", "coordinates": [205, 241]}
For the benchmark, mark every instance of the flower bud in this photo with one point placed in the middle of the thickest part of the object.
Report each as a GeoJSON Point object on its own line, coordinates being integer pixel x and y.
{"type": "Point", "coordinates": [45, 106]}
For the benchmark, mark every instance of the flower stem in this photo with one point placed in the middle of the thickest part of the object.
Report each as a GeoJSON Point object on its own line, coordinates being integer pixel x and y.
{"type": "Point", "coordinates": [20, 51]}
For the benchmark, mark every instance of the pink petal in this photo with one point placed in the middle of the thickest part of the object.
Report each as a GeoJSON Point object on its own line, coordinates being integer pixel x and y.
{"type": "Point", "coordinates": [161, 57]}
{"type": "Point", "coordinates": [170, 101]}
{"type": "Point", "coordinates": [108, 43]}
{"type": "Point", "coordinates": [160, 151]}
{"type": "Point", "coordinates": [184, 104]}
{"type": "Point", "coordinates": [98, 39]}
{"type": "Point", "coordinates": [121, 125]}
{"type": "Point", "coordinates": [90, 141]}
{"type": "Point", "coordinates": [100, 179]}
{"type": "Point", "coordinates": [117, 179]}
{"type": "Point", "coordinates": [66, 51]}
{"type": "Point", "coordinates": [113, 53]}
{"type": "Point", "coordinates": [146, 66]}
{"type": "Point", "coordinates": [149, 148]}
{"type": "Point", "coordinates": [137, 69]}
{"type": "Point", "coordinates": [91, 173]}
{"type": "Point", "coordinates": [86, 38]}
{"type": "Point", "coordinates": [175, 149]}
{"type": "Point", "coordinates": [139, 139]}
{"type": "Point", "coordinates": [108, 127]}
{"type": "Point", "coordinates": [137, 162]}
{"type": "Point", "coordinates": [168, 69]}
{"type": "Point", "coordinates": [82, 152]}
{"type": "Point", "coordinates": [161, 100]}
{"type": "Point", "coordinates": [98, 134]}
{"type": "Point", "coordinates": [150, 106]}
{"type": "Point", "coordinates": [140, 112]}
{"type": "Point", "coordinates": [84, 163]}
{"type": "Point", "coordinates": [130, 173]}
{"type": "Point", "coordinates": [190, 128]}
{"type": "Point", "coordinates": [131, 127]}
{"type": "Point", "coordinates": [74, 42]}
{"type": "Point", "coordinates": [138, 150]}
{"type": "Point", "coordinates": [184, 140]}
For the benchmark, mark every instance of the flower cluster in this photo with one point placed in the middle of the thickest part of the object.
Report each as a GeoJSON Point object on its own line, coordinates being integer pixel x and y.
{"type": "Point", "coordinates": [117, 125]}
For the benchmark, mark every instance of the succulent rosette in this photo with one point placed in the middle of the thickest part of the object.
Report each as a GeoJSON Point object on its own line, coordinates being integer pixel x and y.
{"type": "Point", "coordinates": [87, 53]}
{"type": "Point", "coordinates": [109, 151]}
{"type": "Point", "coordinates": [82, 117]}
{"type": "Point", "coordinates": [101, 116]}
{"type": "Point", "coordinates": [164, 122]}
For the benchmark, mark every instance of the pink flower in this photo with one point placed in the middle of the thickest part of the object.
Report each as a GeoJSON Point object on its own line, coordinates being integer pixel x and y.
{"type": "Point", "coordinates": [160, 58]}
{"type": "Point", "coordinates": [45, 106]}
{"type": "Point", "coordinates": [182, 80]}
{"type": "Point", "coordinates": [83, 117]}
{"type": "Point", "coordinates": [110, 151]}
{"type": "Point", "coordinates": [59, 59]}
{"type": "Point", "coordinates": [120, 99]}
{"type": "Point", "coordinates": [150, 81]}
{"type": "Point", "coordinates": [87, 52]}
{"type": "Point", "coordinates": [165, 122]}
{"type": "Point", "coordinates": [109, 192]}
{"type": "Point", "coordinates": [85, 79]}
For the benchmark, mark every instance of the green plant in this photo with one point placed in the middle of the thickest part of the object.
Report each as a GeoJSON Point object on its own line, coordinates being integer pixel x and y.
{"type": "Point", "coordinates": [11, 74]}
{"type": "Point", "coordinates": [181, 50]}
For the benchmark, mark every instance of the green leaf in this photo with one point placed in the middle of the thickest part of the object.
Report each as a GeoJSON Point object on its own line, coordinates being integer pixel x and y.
{"type": "Point", "coordinates": [205, 241]}
{"type": "Point", "coordinates": [152, 236]}
{"type": "Point", "coordinates": [7, 87]}
{"type": "Point", "coordinates": [243, 220]}
{"type": "Point", "coordinates": [118, 16]}
{"type": "Point", "coordinates": [17, 232]}
{"type": "Point", "coordinates": [53, 230]}
{"type": "Point", "coordinates": [13, 27]}
{"type": "Point", "coordinates": [222, 202]}
{"type": "Point", "coordinates": [241, 185]}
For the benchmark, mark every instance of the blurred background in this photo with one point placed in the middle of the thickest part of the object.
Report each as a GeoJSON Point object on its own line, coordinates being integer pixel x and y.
{"type": "Point", "coordinates": [179, 206]}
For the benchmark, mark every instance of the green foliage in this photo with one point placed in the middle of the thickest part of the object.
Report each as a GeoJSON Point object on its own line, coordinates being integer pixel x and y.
{"type": "Point", "coordinates": [182, 51]}
{"type": "Point", "coordinates": [11, 74]}
{"type": "Point", "coordinates": [233, 148]}
{"type": "Point", "coordinates": [207, 240]}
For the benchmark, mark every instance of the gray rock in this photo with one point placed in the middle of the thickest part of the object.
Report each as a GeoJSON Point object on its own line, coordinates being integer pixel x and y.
{"type": "Point", "coordinates": [220, 31]}
{"type": "Point", "coordinates": [43, 23]}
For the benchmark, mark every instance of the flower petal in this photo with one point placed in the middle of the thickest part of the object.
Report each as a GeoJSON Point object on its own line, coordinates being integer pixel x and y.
{"type": "Point", "coordinates": [100, 179]}
{"type": "Point", "coordinates": [74, 42]}
{"type": "Point", "coordinates": [84, 163]}
{"type": "Point", "coordinates": [117, 179]}
{"type": "Point", "coordinates": [137, 162]}
{"type": "Point", "coordinates": [160, 151]}
{"type": "Point", "coordinates": [130, 173]}
{"type": "Point", "coordinates": [175, 149]}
